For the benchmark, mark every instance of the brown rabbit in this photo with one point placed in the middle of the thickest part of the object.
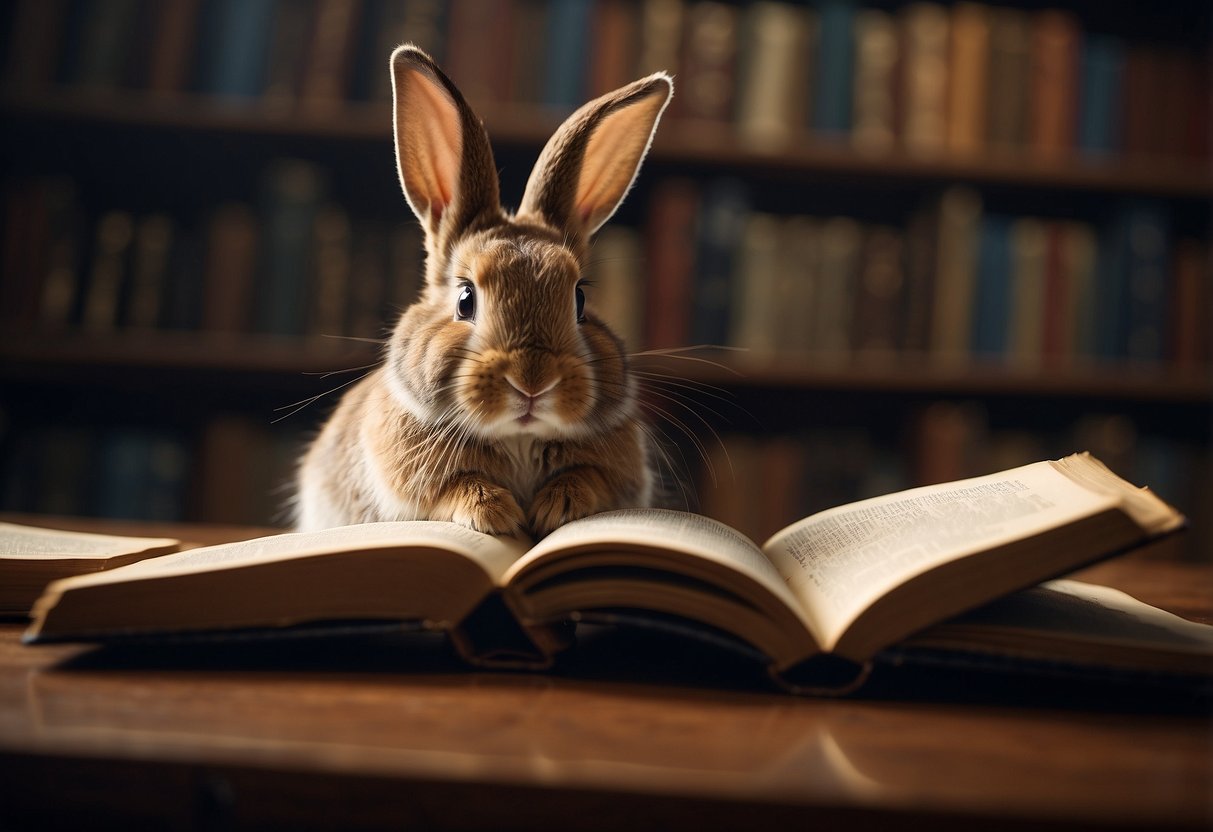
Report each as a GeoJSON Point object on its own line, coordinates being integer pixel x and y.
{"type": "Point", "coordinates": [501, 404]}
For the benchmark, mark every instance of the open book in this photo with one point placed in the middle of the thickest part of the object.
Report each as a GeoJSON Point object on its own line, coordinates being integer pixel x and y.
{"type": "Point", "coordinates": [829, 591]}
{"type": "Point", "coordinates": [32, 557]}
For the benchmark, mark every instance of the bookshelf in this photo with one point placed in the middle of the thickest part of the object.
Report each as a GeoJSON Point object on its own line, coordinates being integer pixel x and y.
{"type": "Point", "coordinates": [176, 147]}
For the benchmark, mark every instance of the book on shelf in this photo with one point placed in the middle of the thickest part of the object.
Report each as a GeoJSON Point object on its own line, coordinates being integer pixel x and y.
{"type": "Point", "coordinates": [832, 91]}
{"type": "Point", "coordinates": [32, 557]}
{"type": "Point", "coordinates": [1056, 40]}
{"type": "Point", "coordinates": [708, 68]}
{"type": "Point", "coordinates": [1007, 91]}
{"type": "Point", "coordinates": [924, 77]}
{"type": "Point", "coordinates": [820, 601]}
{"type": "Point", "coordinates": [874, 112]}
{"type": "Point", "coordinates": [775, 66]}
{"type": "Point", "coordinates": [670, 230]}
{"type": "Point", "coordinates": [324, 85]}
{"type": "Point", "coordinates": [968, 64]}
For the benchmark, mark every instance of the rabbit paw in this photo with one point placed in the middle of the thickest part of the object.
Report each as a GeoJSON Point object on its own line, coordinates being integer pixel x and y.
{"type": "Point", "coordinates": [565, 498]}
{"type": "Point", "coordinates": [487, 508]}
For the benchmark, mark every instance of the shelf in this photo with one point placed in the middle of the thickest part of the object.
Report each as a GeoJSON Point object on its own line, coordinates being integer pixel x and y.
{"type": "Point", "coordinates": [282, 361]}
{"type": "Point", "coordinates": [707, 144]}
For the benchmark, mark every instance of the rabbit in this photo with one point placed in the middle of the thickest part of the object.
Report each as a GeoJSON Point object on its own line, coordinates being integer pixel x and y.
{"type": "Point", "coordinates": [502, 404]}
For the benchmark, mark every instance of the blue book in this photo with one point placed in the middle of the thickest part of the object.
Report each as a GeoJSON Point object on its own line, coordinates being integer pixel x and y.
{"type": "Point", "coordinates": [718, 239]}
{"type": "Point", "coordinates": [292, 192]}
{"type": "Point", "coordinates": [833, 78]}
{"type": "Point", "coordinates": [1132, 287]}
{"type": "Point", "coordinates": [1102, 88]}
{"type": "Point", "coordinates": [992, 292]}
{"type": "Point", "coordinates": [236, 40]}
{"type": "Point", "coordinates": [567, 53]}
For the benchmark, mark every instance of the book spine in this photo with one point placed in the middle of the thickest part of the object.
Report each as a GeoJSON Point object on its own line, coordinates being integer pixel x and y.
{"type": "Point", "coordinates": [772, 88]}
{"type": "Point", "coordinates": [1148, 271]}
{"type": "Point", "coordinates": [110, 270]}
{"type": "Point", "coordinates": [709, 62]}
{"type": "Point", "coordinates": [719, 237]}
{"type": "Point", "coordinates": [331, 256]}
{"type": "Point", "coordinates": [236, 64]}
{"type": "Point", "coordinates": [168, 67]}
{"type": "Point", "coordinates": [879, 301]}
{"type": "Point", "coordinates": [615, 272]}
{"type": "Point", "coordinates": [293, 191]}
{"type": "Point", "coordinates": [567, 46]}
{"type": "Point", "coordinates": [329, 58]}
{"type": "Point", "coordinates": [755, 301]}
{"type": "Point", "coordinates": [796, 285]}
{"type": "Point", "coordinates": [1080, 258]}
{"type": "Point", "coordinates": [841, 241]}
{"type": "Point", "coordinates": [833, 73]}
{"type": "Point", "coordinates": [1056, 41]}
{"type": "Point", "coordinates": [969, 59]}
{"type": "Point", "coordinates": [874, 115]}
{"type": "Point", "coordinates": [231, 258]}
{"type": "Point", "coordinates": [153, 245]}
{"type": "Point", "coordinates": [1027, 298]}
{"type": "Point", "coordinates": [992, 295]}
{"type": "Point", "coordinates": [670, 260]}
{"type": "Point", "coordinates": [1193, 300]}
{"type": "Point", "coordinates": [924, 77]}
{"type": "Point", "coordinates": [1099, 117]}
{"type": "Point", "coordinates": [613, 50]}
{"type": "Point", "coordinates": [956, 269]}
{"type": "Point", "coordinates": [1007, 94]}
{"type": "Point", "coordinates": [288, 45]}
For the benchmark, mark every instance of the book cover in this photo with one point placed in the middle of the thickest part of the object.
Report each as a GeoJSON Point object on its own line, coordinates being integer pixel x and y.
{"type": "Point", "coordinates": [968, 81]}
{"type": "Point", "coordinates": [833, 73]}
{"type": "Point", "coordinates": [614, 45]}
{"type": "Point", "coordinates": [960, 213]}
{"type": "Point", "coordinates": [992, 294]}
{"type": "Point", "coordinates": [152, 248]}
{"type": "Point", "coordinates": [670, 261]}
{"type": "Point", "coordinates": [1102, 93]}
{"type": "Point", "coordinates": [231, 260]}
{"type": "Point", "coordinates": [924, 77]}
{"type": "Point", "coordinates": [567, 45]}
{"type": "Point", "coordinates": [1191, 303]}
{"type": "Point", "coordinates": [834, 314]}
{"type": "Point", "coordinates": [1056, 41]}
{"type": "Point", "coordinates": [756, 300]}
{"type": "Point", "coordinates": [708, 88]}
{"type": "Point", "coordinates": [330, 59]}
{"type": "Point", "coordinates": [718, 240]}
{"type": "Point", "coordinates": [288, 45]}
{"type": "Point", "coordinates": [877, 52]}
{"type": "Point", "coordinates": [292, 191]}
{"type": "Point", "coordinates": [772, 81]}
{"type": "Point", "coordinates": [880, 294]}
{"type": "Point", "coordinates": [1007, 96]}
{"type": "Point", "coordinates": [1028, 241]}
{"type": "Point", "coordinates": [237, 43]}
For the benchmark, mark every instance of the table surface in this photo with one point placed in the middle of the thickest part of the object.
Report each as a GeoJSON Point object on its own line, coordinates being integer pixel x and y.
{"type": "Point", "coordinates": [635, 729]}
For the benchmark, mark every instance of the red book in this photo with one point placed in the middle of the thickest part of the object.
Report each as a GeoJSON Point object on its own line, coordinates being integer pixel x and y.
{"type": "Point", "coordinates": [670, 258]}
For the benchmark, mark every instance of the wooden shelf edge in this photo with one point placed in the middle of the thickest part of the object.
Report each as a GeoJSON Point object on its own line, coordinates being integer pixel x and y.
{"type": "Point", "coordinates": [32, 359]}
{"type": "Point", "coordinates": [710, 144]}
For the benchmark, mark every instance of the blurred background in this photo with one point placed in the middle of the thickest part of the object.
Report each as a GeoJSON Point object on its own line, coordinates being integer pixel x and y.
{"type": "Point", "coordinates": [925, 240]}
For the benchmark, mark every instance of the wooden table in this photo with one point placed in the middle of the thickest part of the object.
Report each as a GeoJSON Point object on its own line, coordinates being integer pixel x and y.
{"type": "Point", "coordinates": [636, 731]}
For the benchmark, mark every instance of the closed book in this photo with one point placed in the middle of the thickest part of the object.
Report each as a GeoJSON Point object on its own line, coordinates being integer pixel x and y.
{"type": "Point", "coordinates": [1191, 302]}
{"type": "Point", "coordinates": [1058, 297]}
{"type": "Point", "coordinates": [528, 69]}
{"type": "Point", "coordinates": [796, 285]}
{"type": "Point", "coordinates": [924, 77]}
{"type": "Point", "coordinates": [922, 257]}
{"type": "Point", "coordinates": [65, 243]}
{"type": "Point", "coordinates": [955, 274]}
{"type": "Point", "coordinates": [237, 43]}
{"type": "Point", "coordinates": [479, 41]}
{"type": "Point", "coordinates": [172, 49]}
{"type": "Point", "coordinates": [24, 252]}
{"type": "Point", "coordinates": [331, 260]}
{"type": "Point", "coordinates": [718, 240]}
{"type": "Point", "coordinates": [105, 45]}
{"type": "Point", "coordinates": [1142, 129]}
{"type": "Point", "coordinates": [670, 261]}
{"type": "Point", "coordinates": [615, 274]}
{"type": "Point", "coordinates": [1009, 74]}
{"type": "Point", "coordinates": [709, 62]}
{"type": "Point", "coordinates": [772, 80]}
{"type": "Point", "coordinates": [841, 241]}
{"type": "Point", "coordinates": [877, 48]}
{"type": "Point", "coordinates": [968, 80]}
{"type": "Point", "coordinates": [614, 45]}
{"type": "Point", "coordinates": [661, 23]}
{"type": "Point", "coordinates": [1056, 42]}
{"type": "Point", "coordinates": [330, 58]}
{"type": "Point", "coordinates": [291, 194]}
{"type": "Point", "coordinates": [566, 48]}
{"type": "Point", "coordinates": [36, 33]}
{"type": "Point", "coordinates": [109, 271]}
{"type": "Point", "coordinates": [231, 261]}
{"type": "Point", "coordinates": [234, 472]}
{"type": "Point", "coordinates": [1148, 240]}
{"type": "Point", "coordinates": [756, 299]}
{"type": "Point", "coordinates": [1101, 96]}
{"type": "Point", "coordinates": [1080, 264]}
{"type": "Point", "coordinates": [153, 246]}
{"type": "Point", "coordinates": [833, 74]}
{"type": "Point", "coordinates": [288, 52]}
{"type": "Point", "coordinates": [992, 294]}
{"type": "Point", "coordinates": [880, 294]}
{"type": "Point", "coordinates": [184, 295]}
{"type": "Point", "coordinates": [1028, 242]}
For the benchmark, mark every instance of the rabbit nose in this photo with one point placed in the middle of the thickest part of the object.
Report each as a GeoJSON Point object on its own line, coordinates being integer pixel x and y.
{"type": "Point", "coordinates": [531, 390]}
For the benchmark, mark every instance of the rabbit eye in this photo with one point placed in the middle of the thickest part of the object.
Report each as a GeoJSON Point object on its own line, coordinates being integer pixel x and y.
{"type": "Point", "coordinates": [465, 307]}
{"type": "Point", "coordinates": [580, 296]}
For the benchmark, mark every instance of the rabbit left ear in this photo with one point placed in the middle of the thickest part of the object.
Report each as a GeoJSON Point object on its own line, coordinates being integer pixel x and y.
{"type": "Point", "coordinates": [442, 152]}
{"type": "Point", "coordinates": [589, 164]}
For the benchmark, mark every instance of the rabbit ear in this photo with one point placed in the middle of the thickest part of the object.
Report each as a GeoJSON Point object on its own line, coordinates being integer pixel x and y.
{"type": "Point", "coordinates": [587, 167]}
{"type": "Point", "coordinates": [442, 152]}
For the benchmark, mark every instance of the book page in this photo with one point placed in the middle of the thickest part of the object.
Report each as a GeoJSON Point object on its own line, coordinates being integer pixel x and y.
{"type": "Point", "coordinates": [662, 529]}
{"type": "Point", "coordinates": [494, 555]}
{"type": "Point", "coordinates": [839, 561]}
{"type": "Point", "coordinates": [33, 543]}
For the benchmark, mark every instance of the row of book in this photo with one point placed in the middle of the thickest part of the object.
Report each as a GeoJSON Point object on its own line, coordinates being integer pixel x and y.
{"type": "Point", "coordinates": [237, 470]}
{"type": "Point", "coordinates": [282, 266]}
{"type": "Point", "coordinates": [923, 76]}
{"type": "Point", "coordinates": [814, 469]}
{"type": "Point", "coordinates": [240, 468]}
{"type": "Point", "coordinates": [955, 283]}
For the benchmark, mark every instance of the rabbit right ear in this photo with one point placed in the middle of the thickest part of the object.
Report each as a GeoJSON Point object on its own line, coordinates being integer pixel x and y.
{"type": "Point", "coordinates": [443, 155]}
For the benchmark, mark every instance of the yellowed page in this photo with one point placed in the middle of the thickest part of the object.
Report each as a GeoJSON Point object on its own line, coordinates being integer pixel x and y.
{"type": "Point", "coordinates": [672, 531]}
{"type": "Point", "coordinates": [494, 555]}
{"type": "Point", "coordinates": [841, 560]}
{"type": "Point", "coordinates": [32, 543]}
